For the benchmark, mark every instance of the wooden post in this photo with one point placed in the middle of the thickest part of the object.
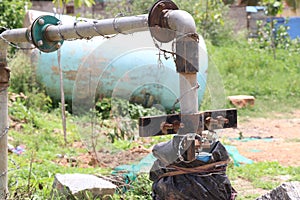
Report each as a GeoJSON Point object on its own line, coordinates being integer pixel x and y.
{"type": "Point", "coordinates": [4, 79]}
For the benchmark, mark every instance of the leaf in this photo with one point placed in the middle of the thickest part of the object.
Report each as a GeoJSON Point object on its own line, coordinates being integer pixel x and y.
{"type": "Point", "coordinates": [77, 3]}
{"type": "Point", "coordinates": [89, 3]}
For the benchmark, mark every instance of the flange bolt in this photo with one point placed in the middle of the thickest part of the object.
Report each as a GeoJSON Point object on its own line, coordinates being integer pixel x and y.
{"type": "Point", "coordinates": [40, 43]}
{"type": "Point", "coordinates": [58, 45]}
{"type": "Point", "coordinates": [41, 22]}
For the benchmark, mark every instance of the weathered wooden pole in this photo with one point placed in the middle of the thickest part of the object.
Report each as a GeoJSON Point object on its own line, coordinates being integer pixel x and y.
{"type": "Point", "coordinates": [4, 81]}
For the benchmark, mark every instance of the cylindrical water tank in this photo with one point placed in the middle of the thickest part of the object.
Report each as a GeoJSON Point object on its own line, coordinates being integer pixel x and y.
{"type": "Point", "coordinates": [124, 66]}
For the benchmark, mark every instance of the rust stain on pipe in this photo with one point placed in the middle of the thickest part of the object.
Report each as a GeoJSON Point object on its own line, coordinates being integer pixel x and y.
{"type": "Point", "coordinates": [55, 70]}
{"type": "Point", "coordinates": [71, 74]}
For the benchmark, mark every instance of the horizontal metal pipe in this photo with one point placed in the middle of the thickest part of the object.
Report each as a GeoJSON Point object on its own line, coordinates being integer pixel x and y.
{"type": "Point", "coordinates": [91, 28]}
{"type": "Point", "coordinates": [84, 29]}
{"type": "Point", "coordinates": [15, 35]}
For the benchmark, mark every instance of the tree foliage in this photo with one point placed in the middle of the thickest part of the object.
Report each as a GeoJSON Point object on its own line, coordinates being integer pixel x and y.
{"type": "Point", "coordinates": [208, 14]}
{"type": "Point", "coordinates": [12, 13]}
{"type": "Point", "coordinates": [77, 3]}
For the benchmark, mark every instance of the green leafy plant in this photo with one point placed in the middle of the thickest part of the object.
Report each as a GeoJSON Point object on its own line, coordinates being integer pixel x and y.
{"type": "Point", "coordinates": [281, 38]}
{"type": "Point", "coordinates": [77, 3]}
{"type": "Point", "coordinates": [12, 13]}
{"type": "Point", "coordinates": [140, 189]}
{"type": "Point", "coordinates": [23, 80]}
{"type": "Point", "coordinates": [209, 17]}
{"type": "Point", "coordinates": [125, 7]}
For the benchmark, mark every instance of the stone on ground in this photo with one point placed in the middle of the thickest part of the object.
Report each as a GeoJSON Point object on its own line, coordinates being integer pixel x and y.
{"type": "Point", "coordinates": [81, 186]}
{"type": "Point", "coordinates": [286, 191]}
{"type": "Point", "coordinates": [241, 101]}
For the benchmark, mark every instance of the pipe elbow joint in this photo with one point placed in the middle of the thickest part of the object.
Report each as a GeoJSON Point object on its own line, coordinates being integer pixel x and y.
{"type": "Point", "coordinates": [180, 21]}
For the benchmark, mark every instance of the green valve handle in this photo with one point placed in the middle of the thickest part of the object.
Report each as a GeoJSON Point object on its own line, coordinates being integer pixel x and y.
{"type": "Point", "coordinates": [38, 29]}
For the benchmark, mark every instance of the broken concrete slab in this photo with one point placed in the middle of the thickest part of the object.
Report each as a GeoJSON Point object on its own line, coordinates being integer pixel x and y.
{"type": "Point", "coordinates": [81, 186]}
{"type": "Point", "coordinates": [241, 101]}
{"type": "Point", "coordinates": [286, 191]}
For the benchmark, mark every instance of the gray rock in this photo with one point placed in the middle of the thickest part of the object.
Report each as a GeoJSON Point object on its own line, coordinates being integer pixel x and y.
{"type": "Point", "coordinates": [286, 191]}
{"type": "Point", "coordinates": [81, 186]}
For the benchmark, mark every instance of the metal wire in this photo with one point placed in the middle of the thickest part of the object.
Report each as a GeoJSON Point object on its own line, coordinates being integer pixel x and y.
{"type": "Point", "coordinates": [12, 169]}
{"type": "Point", "coordinates": [59, 31]}
{"type": "Point", "coordinates": [180, 146]}
{"type": "Point", "coordinates": [194, 36]}
{"type": "Point", "coordinates": [2, 90]}
{"type": "Point", "coordinates": [180, 98]}
{"type": "Point", "coordinates": [75, 24]}
{"type": "Point", "coordinates": [96, 30]}
{"type": "Point", "coordinates": [163, 50]}
{"type": "Point", "coordinates": [114, 23]}
{"type": "Point", "coordinates": [4, 132]}
{"type": "Point", "coordinates": [14, 45]}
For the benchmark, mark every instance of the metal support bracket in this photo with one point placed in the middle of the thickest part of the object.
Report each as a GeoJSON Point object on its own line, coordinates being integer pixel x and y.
{"type": "Point", "coordinates": [38, 29]}
{"type": "Point", "coordinates": [187, 54]}
{"type": "Point", "coordinates": [172, 124]}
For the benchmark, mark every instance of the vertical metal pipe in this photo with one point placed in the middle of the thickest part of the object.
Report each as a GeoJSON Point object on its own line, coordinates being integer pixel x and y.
{"type": "Point", "coordinates": [187, 59]}
{"type": "Point", "coordinates": [4, 76]}
{"type": "Point", "coordinates": [187, 65]}
{"type": "Point", "coordinates": [189, 93]}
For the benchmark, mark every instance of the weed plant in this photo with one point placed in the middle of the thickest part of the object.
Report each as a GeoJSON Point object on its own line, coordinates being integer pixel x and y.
{"type": "Point", "coordinates": [243, 68]}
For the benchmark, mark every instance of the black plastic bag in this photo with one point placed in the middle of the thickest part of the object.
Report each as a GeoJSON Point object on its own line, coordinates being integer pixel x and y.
{"type": "Point", "coordinates": [209, 185]}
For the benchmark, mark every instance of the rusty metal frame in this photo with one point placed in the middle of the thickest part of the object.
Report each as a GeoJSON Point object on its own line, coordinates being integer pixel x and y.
{"type": "Point", "coordinates": [172, 124]}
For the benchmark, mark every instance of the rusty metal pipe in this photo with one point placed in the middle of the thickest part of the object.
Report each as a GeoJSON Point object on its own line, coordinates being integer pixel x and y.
{"type": "Point", "coordinates": [84, 29]}
{"type": "Point", "coordinates": [180, 21]}
{"type": "Point", "coordinates": [105, 27]}
{"type": "Point", "coordinates": [15, 35]}
{"type": "Point", "coordinates": [184, 25]}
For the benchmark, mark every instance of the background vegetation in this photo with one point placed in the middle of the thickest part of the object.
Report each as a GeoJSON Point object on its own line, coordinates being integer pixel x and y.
{"type": "Point", "coordinates": [246, 67]}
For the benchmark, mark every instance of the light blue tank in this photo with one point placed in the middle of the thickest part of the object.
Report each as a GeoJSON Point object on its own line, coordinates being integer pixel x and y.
{"type": "Point", "coordinates": [124, 66]}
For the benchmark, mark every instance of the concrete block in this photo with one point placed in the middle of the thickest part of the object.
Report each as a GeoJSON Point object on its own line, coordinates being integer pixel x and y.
{"type": "Point", "coordinates": [241, 101]}
{"type": "Point", "coordinates": [286, 191]}
{"type": "Point", "coordinates": [81, 186]}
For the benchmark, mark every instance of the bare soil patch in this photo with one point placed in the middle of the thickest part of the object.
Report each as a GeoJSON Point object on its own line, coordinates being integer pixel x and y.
{"type": "Point", "coordinates": [277, 139]}
{"type": "Point", "coordinates": [104, 159]}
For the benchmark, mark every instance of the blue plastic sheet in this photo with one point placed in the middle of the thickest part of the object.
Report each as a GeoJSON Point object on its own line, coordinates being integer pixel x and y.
{"type": "Point", "coordinates": [237, 158]}
{"type": "Point", "coordinates": [131, 171]}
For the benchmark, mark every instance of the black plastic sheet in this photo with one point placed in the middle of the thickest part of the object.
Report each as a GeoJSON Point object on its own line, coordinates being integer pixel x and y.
{"type": "Point", "coordinates": [209, 185]}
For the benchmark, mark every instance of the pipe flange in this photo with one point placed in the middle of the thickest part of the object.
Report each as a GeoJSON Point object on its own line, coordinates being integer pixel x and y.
{"type": "Point", "coordinates": [159, 28]}
{"type": "Point", "coordinates": [38, 38]}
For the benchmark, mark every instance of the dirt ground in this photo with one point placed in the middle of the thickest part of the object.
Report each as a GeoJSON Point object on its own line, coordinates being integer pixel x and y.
{"type": "Point", "coordinates": [273, 139]}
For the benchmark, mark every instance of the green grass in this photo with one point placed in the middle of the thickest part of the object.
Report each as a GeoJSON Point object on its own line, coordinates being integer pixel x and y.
{"type": "Point", "coordinates": [263, 175]}
{"type": "Point", "coordinates": [238, 69]}
{"type": "Point", "coordinates": [43, 141]}
{"type": "Point", "coordinates": [244, 70]}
